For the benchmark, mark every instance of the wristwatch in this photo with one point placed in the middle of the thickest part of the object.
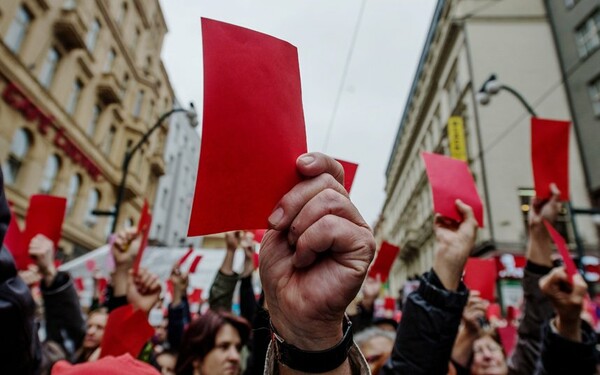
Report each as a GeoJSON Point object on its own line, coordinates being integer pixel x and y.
{"type": "Point", "coordinates": [313, 361]}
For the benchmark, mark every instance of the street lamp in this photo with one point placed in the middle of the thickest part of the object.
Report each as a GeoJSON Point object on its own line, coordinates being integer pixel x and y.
{"type": "Point", "coordinates": [193, 119]}
{"type": "Point", "coordinates": [491, 87]}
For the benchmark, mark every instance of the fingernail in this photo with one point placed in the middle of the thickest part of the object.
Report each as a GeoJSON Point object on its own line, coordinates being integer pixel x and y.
{"type": "Point", "coordinates": [276, 216]}
{"type": "Point", "coordinates": [307, 159]}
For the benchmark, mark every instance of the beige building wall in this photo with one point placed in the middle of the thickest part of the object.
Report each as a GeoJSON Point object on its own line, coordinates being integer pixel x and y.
{"type": "Point", "coordinates": [467, 43]}
{"type": "Point", "coordinates": [112, 49]}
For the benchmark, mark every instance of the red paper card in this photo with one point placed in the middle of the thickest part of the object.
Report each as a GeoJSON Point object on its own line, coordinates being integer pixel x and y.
{"type": "Point", "coordinates": [550, 156]}
{"type": "Point", "coordinates": [195, 263]}
{"type": "Point", "coordinates": [185, 257]}
{"type": "Point", "coordinates": [563, 250]}
{"type": "Point", "coordinates": [127, 331]}
{"type": "Point", "coordinates": [143, 230]}
{"type": "Point", "coordinates": [508, 338]}
{"type": "Point", "coordinates": [383, 261]}
{"type": "Point", "coordinates": [195, 296]}
{"type": "Point", "coordinates": [480, 275]}
{"type": "Point", "coordinates": [252, 132]}
{"type": "Point", "coordinates": [450, 179]}
{"type": "Point", "coordinates": [349, 173]}
{"type": "Point", "coordinates": [78, 281]}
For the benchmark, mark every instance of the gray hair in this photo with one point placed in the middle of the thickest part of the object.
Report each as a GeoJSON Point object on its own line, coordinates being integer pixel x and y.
{"type": "Point", "coordinates": [364, 336]}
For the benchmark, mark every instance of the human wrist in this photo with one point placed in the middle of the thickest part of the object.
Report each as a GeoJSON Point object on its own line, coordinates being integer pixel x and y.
{"type": "Point", "coordinates": [313, 336]}
{"type": "Point", "coordinates": [449, 272]}
{"type": "Point", "coordinates": [49, 274]}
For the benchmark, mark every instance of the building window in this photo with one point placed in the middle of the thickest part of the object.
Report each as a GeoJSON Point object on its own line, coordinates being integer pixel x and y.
{"type": "Point", "coordinates": [135, 40]}
{"type": "Point", "coordinates": [18, 150]}
{"type": "Point", "coordinates": [594, 91]}
{"type": "Point", "coordinates": [91, 129]}
{"type": "Point", "coordinates": [50, 173]}
{"type": "Point", "coordinates": [92, 35]}
{"type": "Point", "coordinates": [137, 107]}
{"type": "Point", "coordinates": [49, 67]}
{"type": "Point", "coordinates": [164, 200]}
{"type": "Point", "coordinates": [92, 204]}
{"type": "Point", "coordinates": [108, 140]}
{"type": "Point", "coordinates": [74, 185]}
{"type": "Point", "coordinates": [110, 60]}
{"type": "Point", "coordinates": [18, 29]}
{"type": "Point", "coordinates": [150, 109]}
{"type": "Point", "coordinates": [587, 35]}
{"type": "Point", "coordinates": [74, 98]}
{"type": "Point", "coordinates": [124, 85]}
{"type": "Point", "coordinates": [122, 14]}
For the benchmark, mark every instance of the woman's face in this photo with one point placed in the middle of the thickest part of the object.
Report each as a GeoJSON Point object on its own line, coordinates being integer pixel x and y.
{"type": "Point", "coordinates": [95, 330]}
{"type": "Point", "coordinates": [224, 358]}
{"type": "Point", "coordinates": [488, 358]}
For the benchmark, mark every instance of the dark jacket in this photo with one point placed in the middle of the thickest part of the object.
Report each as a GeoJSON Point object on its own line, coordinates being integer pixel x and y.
{"type": "Point", "coordinates": [221, 291]}
{"type": "Point", "coordinates": [20, 351]}
{"type": "Point", "coordinates": [537, 310]}
{"type": "Point", "coordinates": [179, 317]}
{"type": "Point", "coordinates": [428, 329]}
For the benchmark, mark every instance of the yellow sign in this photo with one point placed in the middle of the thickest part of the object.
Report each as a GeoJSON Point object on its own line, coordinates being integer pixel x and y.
{"type": "Point", "coordinates": [456, 138]}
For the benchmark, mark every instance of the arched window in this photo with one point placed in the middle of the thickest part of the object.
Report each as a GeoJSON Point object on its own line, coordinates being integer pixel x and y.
{"type": "Point", "coordinates": [50, 173]}
{"type": "Point", "coordinates": [92, 204]}
{"type": "Point", "coordinates": [18, 150]}
{"type": "Point", "coordinates": [74, 185]}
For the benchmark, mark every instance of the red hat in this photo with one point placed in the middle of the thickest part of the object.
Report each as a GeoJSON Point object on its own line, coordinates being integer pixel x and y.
{"type": "Point", "coordinates": [124, 364]}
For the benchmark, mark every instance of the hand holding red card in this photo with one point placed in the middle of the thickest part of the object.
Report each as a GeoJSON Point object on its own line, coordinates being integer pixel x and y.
{"type": "Point", "coordinates": [252, 132]}
{"type": "Point", "coordinates": [563, 250]}
{"type": "Point", "coordinates": [383, 261]}
{"type": "Point", "coordinates": [451, 179]}
{"type": "Point", "coordinates": [349, 173]}
{"type": "Point", "coordinates": [480, 275]}
{"type": "Point", "coordinates": [550, 156]}
{"type": "Point", "coordinates": [143, 230]}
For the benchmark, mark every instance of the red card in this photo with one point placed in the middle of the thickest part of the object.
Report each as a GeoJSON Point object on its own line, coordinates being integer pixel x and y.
{"type": "Point", "coordinates": [563, 250]}
{"type": "Point", "coordinates": [389, 303]}
{"type": "Point", "coordinates": [450, 179]}
{"type": "Point", "coordinates": [195, 296]}
{"type": "Point", "coordinates": [102, 284]}
{"type": "Point", "coordinates": [383, 261]}
{"type": "Point", "coordinates": [78, 281]}
{"type": "Point", "coordinates": [255, 260]}
{"type": "Point", "coordinates": [349, 173]}
{"type": "Point", "coordinates": [143, 230]}
{"type": "Point", "coordinates": [259, 234]}
{"type": "Point", "coordinates": [480, 275]}
{"type": "Point", "coordinates": [185, 257]}
{"type": "Point", "coordinates": [170, 288]}
{"type": "Point", "coordinates": [252, 132]}
{"type": "Point", "coordinates": [550, 156]}
{"type": "Point", "coordinates": [127, 331]}
{"type": "Point", "coordinates": [508, 338]}
{"type": "Point", "coordinates": [90, 265]}
{"type": "Point", "coordinates": [195, 263]}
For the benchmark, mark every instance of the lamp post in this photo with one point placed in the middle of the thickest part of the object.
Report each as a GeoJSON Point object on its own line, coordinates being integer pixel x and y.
{"type": "Point", "coordinates": [491, 87]}
{"type": "Point", "coordinates": [129, 154]}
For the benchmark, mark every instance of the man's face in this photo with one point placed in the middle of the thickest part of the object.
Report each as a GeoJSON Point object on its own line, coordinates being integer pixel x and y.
{"type": "Point", "coordinates": [95, 330]}
{"type": "Point", "coordinates": [160, 331]}
{"type": "Point", "coordinates": [224, 358]}
{"type": "Point", "coordinates": [376, 351]}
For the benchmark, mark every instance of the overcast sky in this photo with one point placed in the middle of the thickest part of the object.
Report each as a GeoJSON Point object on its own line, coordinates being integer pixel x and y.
{"type": "Point", "coordinates": [388, 44]}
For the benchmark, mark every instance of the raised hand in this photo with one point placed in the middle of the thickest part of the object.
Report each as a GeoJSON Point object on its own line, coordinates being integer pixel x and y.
{"type": "Point", "coordinates": [370, 291]}
{"type": "Point", "coordinates": [454, 242]}
{"type": "Point", "coordinates": [474, 312]}
{"type": "Point", "coordinates": [180, 282]}
{"type": "Point", "coordinates": [143, 289]}
{"type": "Point", "coordinates": [41, 249]}
{"type": "Point", "coordinates": [125, 247]}
{"type": "Point", "coordinates": [541, 210]}
{"type": "Point", "coordinates": [315, 256]}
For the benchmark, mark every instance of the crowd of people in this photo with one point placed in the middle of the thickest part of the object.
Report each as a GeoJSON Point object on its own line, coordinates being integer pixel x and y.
{"type": "Point", "coordinates": [315, 313]}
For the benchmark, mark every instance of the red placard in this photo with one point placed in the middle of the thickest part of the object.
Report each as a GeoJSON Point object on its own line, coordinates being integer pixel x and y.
{"type": "Point", "coordinates": [143, 230]}
{"type": "Point", "coordinates": [383, 261]}
{"type": "Point", "coordinates": [127, 330]}
{"type": "Point", "coordinates": [450, 179]}
{"type": "Point", "coordinates": [349, 173]}
{"type": "Point", "coordinates": [195, 263]}
{"type": "Point", "coordinates": [550, 156]}
{"type": "Point", "coordinates": [253, 129]}
{"type": "Point", "coordinates": [480, 275]}
{"type": "Point", "coordinates": [185, 256]}
{"type": "Point", "coordinates": [195, 296]}
{"type": "Point", "coordinates": [563, 250]}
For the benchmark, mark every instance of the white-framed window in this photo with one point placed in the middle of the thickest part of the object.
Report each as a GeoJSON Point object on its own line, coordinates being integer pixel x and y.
{"type": "Point", "coordinates": [137, 106]}
{"type": "Point", "coordinates": [92, 35]}
{"type": "Point", "coordinates": [594, 91]}
{"type": "Point", "coordinates": [49, 67]}
{"type": "Point", "coordinates": [92, 204]}
{"type": "Point", "coordinates": [74, 185]}
{"type": "Point", "coordinates": [74, 97]}
{"type": "Point", "coordinates": [108, 140]}
{"type": "Point", "coordinates": [122, 14]}
{"type": "Point", "coordinates": [587, 35]}
{"type": "Point", "coordinates": [18, 29]}
{"type": "Point", "coordinates": [110, 60]}
{"type": "Point", "coordinates": [50, 173]}
{"type": "Point", "coordinates": [91, 129]}
{"type": "Point", "coordinates": [19, 147]}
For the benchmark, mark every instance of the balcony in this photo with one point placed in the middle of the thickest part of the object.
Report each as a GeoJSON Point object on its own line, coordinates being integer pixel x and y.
{"type": "Point", "coordinates": [70, 29]}
{"type": "Point", "coordinates": [108, 89]}
{"type": "Point", "coordinates": [157, 164]}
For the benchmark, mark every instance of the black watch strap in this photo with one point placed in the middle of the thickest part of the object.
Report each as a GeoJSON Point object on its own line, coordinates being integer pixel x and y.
{"type": "Point", "coordinates": [314, 361]}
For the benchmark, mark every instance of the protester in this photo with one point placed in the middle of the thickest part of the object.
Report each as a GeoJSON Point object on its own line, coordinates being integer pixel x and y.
{"type": "Point", "coordinates": [212, 345]}
{"type": "Point", "coordinates": [166, 362]}
{"type": "Point", "coordinates": [376, 345]}
{"type": "Point", "coordinates": [488, 357]}
{"type": "Point", "coordinates": [94, 333]}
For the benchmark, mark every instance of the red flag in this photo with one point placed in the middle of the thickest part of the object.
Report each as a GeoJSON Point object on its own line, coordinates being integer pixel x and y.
{"type": "Point", "coordinates": [480, 275]}
{"type": "Point", "coordinates": [195, 263]}
{"type": "Point", "coordinates": [253, 129]}
{"type": "Point", "coordinates": [383, 261]}
{"type": "Point", "coordinates": [563, 250]}
{"type": "Point", "coordinates": [450, 179]}
{"type": "Point", "coordinates": [550, 156]}
{"type": "Point", "coordinates": [143, 230]}
{"type": "Point", "coordinates": [349, 173]}
{"type": "Point", "coordinates": [127, 330]}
